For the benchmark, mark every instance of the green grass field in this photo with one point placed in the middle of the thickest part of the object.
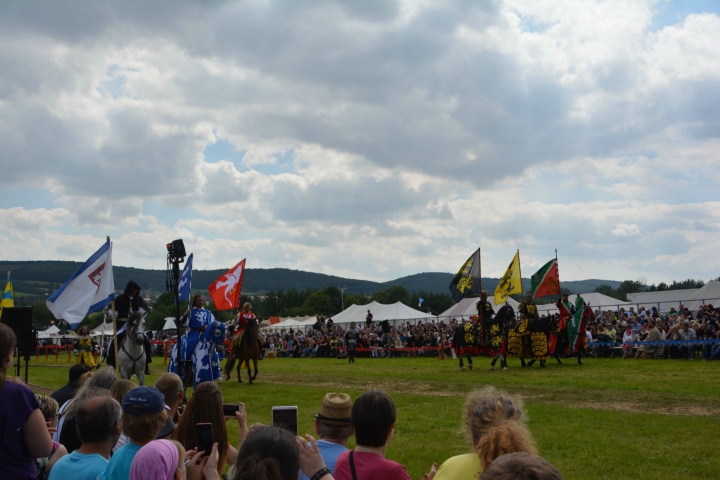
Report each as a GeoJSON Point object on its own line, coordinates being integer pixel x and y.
{"type": "Point", "coordinates": [607, 419]}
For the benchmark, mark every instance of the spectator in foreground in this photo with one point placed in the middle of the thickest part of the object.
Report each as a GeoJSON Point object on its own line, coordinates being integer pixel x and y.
{"type": "Point", "coordinates": [23, 433]}
{"type": "Point", "coordinates": [118, 392]}
{"type": "Point", "coordinates": [98, 384]}
{"type": "Point", "coordinates": [67, 391]}
{"type": "Point", "coordinates": [273, 453]}
{"type": "Point", "coordinates": [521, 466]}
{"type": "Point", "coordinates": [142, 418]}
{"type": "Point", "coordinates": [98, 425]}
{"type": "Point", "coordinates": [49, 409]}
{"type": "Point", "coordinates": [206, 406]}
{"type": "Point", "coordinates": [497, 427]}
{"type": "Point", "coordinates": [333, 425]}
{"type": "Point", "coordinates": [373, 416]}
{"type": "Point", "coordinates": [165, 459]}
{"type": "Point", "coordinates": [171, 386]}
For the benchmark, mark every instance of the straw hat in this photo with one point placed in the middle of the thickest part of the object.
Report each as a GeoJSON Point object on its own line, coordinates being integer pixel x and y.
{"type": "Point", "coordinates": [336, 409]}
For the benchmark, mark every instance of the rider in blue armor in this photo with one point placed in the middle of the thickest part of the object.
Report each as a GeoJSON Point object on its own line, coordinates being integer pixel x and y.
{"type": "Point", "coordinates": [197, 351]}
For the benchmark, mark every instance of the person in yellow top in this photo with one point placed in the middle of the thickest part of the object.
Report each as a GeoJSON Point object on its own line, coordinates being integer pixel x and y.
{"type": "Point", "coordinates": [496, 422]}
{"type": "Point", "coordinates": [84, 347]}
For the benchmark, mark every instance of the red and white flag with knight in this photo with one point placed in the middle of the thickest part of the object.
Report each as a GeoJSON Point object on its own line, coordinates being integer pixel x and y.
{"type": "Point", "coordinates": [225, 291]}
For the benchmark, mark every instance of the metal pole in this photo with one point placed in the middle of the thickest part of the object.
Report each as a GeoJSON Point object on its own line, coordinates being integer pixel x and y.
{"type": "Point", "coordinates": [115, 340]}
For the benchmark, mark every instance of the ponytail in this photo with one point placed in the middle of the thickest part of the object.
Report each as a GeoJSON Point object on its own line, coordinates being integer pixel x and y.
{"type": "Point", "coordinates": [502, 438]}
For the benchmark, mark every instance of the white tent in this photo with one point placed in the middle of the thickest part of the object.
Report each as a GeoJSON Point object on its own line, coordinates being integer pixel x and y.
{"type": "Point", "coordinates": [169, 324]}
{"type": "Point", "coordinates": [380, 311]}
{"type": "Point", "coordinates": [595, 300]}
{"type": "Point", "coordinates": [49, 333]}
{"type": "Point", "coordinates": [467, 307]}
{"type": "Point", "coordinates": [664, 299]}
{"type": "Point", "coordinates": [710, 293]}
{"type": "Point", "coordinates": [104, 329]}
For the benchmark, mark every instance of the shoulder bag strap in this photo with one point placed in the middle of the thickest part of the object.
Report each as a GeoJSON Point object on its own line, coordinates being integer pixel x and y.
{"type": "Point", "coordinates": [352, 465]}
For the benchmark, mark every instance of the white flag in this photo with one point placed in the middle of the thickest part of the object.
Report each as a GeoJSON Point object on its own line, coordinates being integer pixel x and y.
{"type": "Point", "coordinates": [90, 289]}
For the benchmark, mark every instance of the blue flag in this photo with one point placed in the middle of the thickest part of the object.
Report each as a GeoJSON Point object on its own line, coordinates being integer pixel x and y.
{"type": "Point", "coordinates": [185, 281]}
{"type": "Point", "coordinates": [421, 301]}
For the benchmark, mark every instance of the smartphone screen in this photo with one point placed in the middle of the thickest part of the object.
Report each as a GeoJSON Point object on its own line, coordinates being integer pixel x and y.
{"type": "Point", "coordinates": [204, 437]}
{"type": "Point", "coordinates": [286, 417]}
{"type": "Point", "coordinates": [229, 409]}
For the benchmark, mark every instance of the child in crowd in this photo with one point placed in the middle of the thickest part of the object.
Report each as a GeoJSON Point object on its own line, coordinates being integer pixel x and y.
{"type": "Point", "coordinates": [49, 408]}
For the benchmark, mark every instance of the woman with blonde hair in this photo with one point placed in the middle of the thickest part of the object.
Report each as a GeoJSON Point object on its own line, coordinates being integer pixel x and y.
{"type": "Point", "coordinates": [496, 422]}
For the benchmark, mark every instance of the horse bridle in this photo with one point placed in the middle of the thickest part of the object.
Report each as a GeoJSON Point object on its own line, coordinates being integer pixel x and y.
{"type": "Point", "coordinates": [133, 335]}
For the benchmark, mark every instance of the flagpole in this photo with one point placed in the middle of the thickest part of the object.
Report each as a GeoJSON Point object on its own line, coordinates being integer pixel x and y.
{"type": "Point", "coordinates": [522, 291]}
{"type": "Point", "coordinates": [480, 311]}
{"type": "Point", "coordinates": [115, 340]}
{"type": "Point", "coordinates": [557, 265]}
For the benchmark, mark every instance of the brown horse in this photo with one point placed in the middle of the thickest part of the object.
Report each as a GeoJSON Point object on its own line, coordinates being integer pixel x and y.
{"type": "Point", "coordinates": [244, 348]}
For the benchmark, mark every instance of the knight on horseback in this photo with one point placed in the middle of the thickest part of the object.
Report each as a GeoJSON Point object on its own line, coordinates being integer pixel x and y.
{"type": "Point", "coordinates": [129, 302]}
{"type": "Point", "coordinates": [577, 341]}
{"type": "Point", "coordinates": [519, 337]}
{"type": "Point", "coordinates": [498, 332]}
{"type": "Point", "coordinates": [559, 341]}
{"type": "Point", "coordinates": [197, 349]}
{"type": "Point", "coordinates": [240, 323]}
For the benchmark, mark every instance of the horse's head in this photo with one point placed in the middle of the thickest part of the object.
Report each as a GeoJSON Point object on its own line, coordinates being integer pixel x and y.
{"type": "Point", "coordinates": [217, 332]}
{"type": "Point", "coordinates": [136, 326]}
{"type": "Point", "coordinates": [588, 313]}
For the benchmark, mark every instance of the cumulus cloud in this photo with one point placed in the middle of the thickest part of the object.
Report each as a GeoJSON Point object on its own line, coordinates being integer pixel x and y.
{"type": "Point", "coordinates": [373, 139]}
{"type": "Point", "coordinates": [625, 230]}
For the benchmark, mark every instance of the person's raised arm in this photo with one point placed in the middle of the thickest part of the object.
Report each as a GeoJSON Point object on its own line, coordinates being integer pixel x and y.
{"type": "Point", "coordinates": [36, 436]}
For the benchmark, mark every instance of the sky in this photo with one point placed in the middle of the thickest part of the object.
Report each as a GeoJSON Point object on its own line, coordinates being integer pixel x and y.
{"type": "Point", "coordinates": [371, 140]}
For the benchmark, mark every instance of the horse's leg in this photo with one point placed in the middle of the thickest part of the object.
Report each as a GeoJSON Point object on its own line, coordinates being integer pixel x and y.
{"type": "Point", "coordinates": [250, 377]}
{"type": "Point", "coordinates": [531, 363]}
{"type": "Point", "coordinates": [469, 359]}
{"type": "Point", "coordinates": [255, 363]}
{"type": "Point", "coordinates": [503, 362]}
{"type": "Point", "coordinates": [494, 361]}
{"type": "Point", "coordinates": [580, 358]}
{"type": "Point", "coordinates": [229, 364]}
{"type": "Point", "coordinates": [239, 367]}
{"type": "Point", "coordinates": [462, 365]}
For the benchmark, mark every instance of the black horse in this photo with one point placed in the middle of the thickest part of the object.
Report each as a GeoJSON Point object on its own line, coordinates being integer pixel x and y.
{"type": "Point", "coordinates": [496, 334]}
{"type": "Point", "coordinates": [465, 342]}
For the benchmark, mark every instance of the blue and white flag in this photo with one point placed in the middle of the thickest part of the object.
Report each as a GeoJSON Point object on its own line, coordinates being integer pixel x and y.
{"type": "Point", "coordinates": [185, 283]}
{"type": "Point", "coordinates": [90, 289]}
{"type": "Point", "coordinates": [420, 303]}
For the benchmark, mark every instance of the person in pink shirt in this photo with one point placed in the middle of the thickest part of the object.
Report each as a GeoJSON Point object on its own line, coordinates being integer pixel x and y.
{"type": "Point", "coordinates": [373, 416]}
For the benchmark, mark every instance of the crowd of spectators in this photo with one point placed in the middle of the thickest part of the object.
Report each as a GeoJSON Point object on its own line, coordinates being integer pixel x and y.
{"type": "Point", "coordinates": [161, 442]}
{"type": "Point", "coordinates": [625, 328]}
{"type": "Point", "coordinates": [614, 333]}
{"type": "Point", "coordinates": [378, 339]}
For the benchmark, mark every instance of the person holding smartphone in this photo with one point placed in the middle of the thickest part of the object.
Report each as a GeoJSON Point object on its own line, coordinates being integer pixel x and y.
{"type": "Point", "coordinates": [206, 407]}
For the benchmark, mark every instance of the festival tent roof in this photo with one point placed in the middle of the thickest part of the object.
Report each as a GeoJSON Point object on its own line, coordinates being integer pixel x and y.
{"type": "Point", "coordinates": [49, 333]}
{"type": "Point", "coordinates": [102, 329]}
{"type": "Point", "coordinates": [710, 293]}
{"type": "Point", "coordinates": [466, 307]}
{"type": "Point", "coordinates": [169, 324]}
{"type": "Point", "coordinates": [380, 311]}
{"type": "Point", "coordinates": [664, 299]}
{"type": "Point", "coordinates": [594, 300]}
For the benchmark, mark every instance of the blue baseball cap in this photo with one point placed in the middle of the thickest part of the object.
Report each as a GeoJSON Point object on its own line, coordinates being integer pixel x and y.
{"type": "Point", "coordinates": [143, 401]}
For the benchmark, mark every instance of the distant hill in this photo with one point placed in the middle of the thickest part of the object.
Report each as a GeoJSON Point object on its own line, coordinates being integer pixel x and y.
{"type": "Point", "coordinates": [40, 278]}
